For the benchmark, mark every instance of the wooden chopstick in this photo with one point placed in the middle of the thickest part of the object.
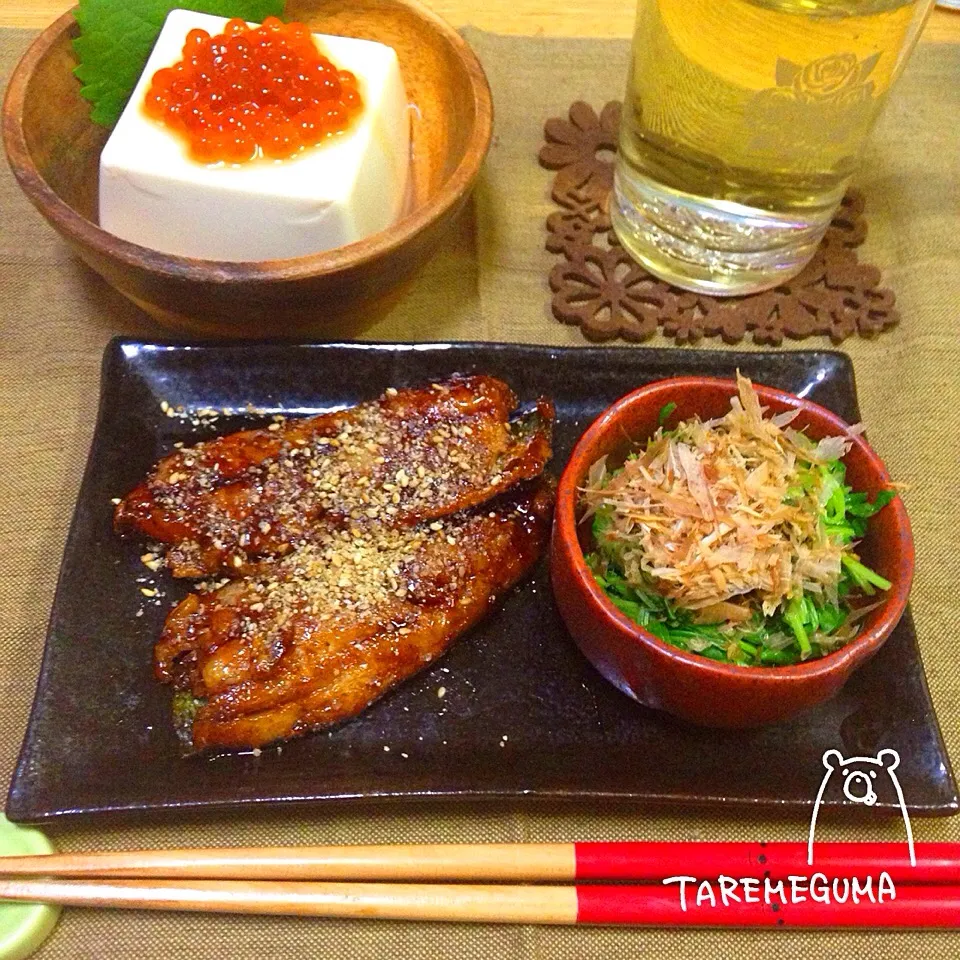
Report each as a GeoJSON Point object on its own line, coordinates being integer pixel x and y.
{"type": "Point", "coordinates": [506, 862]}
{"type": "Point", "coordinates": [652, 905]}
{"type": "Point", "coordinates": [511, 904]}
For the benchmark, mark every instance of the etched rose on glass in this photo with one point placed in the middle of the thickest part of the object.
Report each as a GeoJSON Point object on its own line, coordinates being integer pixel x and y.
{"type": "Point", "coordinates": [824, 78]}
{"type": "Point", "coordinates": [830, 98]}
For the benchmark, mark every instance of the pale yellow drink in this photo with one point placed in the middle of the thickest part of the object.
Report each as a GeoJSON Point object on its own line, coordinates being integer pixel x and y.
{"type": "Point", "coordinates": [743, 123]}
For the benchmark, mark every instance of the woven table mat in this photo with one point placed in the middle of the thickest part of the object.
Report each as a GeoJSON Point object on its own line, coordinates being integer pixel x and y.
{"type": "Point", "coordinates": [490, 282]}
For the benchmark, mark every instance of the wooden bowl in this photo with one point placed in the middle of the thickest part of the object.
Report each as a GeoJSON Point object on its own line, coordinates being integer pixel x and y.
{"type": "Point", "coordinates": [54, 152]}
{"type": "Point", "coordinates": [692, 687]}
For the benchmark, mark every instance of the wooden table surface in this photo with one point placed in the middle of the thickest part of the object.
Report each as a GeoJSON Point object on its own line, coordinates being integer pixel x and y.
{"type": "Point", "coordinates": [586, 18]}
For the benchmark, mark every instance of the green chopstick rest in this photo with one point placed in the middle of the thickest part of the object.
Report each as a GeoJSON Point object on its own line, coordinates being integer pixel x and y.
{"type": "Point", "coordinates": [24, 926]}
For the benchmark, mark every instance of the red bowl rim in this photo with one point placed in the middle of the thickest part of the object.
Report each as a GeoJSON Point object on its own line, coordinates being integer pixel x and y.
{"type": "Point", "coordinates": [565, 527]}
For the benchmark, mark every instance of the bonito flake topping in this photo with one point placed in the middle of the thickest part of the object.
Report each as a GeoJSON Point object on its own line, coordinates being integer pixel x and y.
{"type": "Point", "coordinates": [715, 510]}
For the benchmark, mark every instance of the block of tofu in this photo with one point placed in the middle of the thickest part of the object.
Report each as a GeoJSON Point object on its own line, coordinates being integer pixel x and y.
{"type": "Point", "coordinates": [346, 188]}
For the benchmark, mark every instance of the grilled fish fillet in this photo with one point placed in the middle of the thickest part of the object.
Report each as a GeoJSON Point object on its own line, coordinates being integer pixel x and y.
{"type": "Point", "coordinates": [413, 455]}
{"type": "Point", "coordinates": [320, 634]}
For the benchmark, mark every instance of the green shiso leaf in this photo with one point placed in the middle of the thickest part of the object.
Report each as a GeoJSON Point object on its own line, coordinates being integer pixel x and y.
{"type": "Point", "coordinates": [116, 37]}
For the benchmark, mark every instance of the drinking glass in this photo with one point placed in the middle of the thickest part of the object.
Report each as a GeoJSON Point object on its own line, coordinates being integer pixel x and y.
{"type": "Point", "coordinates": [743, 123]}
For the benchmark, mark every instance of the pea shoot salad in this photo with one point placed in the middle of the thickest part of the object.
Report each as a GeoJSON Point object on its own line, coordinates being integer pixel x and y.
{"type": "Point", "coordinates": [735, 538]}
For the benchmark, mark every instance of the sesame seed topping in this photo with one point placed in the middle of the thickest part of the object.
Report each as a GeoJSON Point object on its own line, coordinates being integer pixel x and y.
{"type": "Point", "coordinates": [376, 463]}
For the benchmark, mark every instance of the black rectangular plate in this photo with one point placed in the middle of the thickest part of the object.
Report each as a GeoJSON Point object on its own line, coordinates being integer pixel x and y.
{"type": "Point", "coordinates": [523, 713]}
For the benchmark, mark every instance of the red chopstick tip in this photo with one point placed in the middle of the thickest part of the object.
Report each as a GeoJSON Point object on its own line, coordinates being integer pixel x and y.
{"type": "Point", "coordinates": [802, 901]}
{"type": "Point", "coordinates": [651, 861]}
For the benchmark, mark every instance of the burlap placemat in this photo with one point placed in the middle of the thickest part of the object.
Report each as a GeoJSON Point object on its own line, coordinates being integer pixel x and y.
{"type": "Point", "coordinates": [56, 316]}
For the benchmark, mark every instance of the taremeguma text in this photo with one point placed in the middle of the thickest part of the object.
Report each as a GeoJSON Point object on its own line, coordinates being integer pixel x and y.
{"type": "Point", "coordinates": [795, 889]}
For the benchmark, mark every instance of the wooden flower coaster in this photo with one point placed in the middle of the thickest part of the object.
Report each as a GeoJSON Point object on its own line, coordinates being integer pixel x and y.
{"type": "Point", "coordinates": [598, 287]}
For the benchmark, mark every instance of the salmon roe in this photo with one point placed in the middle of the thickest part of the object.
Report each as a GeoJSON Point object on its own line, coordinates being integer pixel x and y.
{"type": "Point", "coordinates": [252, 91]}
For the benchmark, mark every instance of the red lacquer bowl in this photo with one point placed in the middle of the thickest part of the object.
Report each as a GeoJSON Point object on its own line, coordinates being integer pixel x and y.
{"type": "Point", "coordinates": [687, 685]}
